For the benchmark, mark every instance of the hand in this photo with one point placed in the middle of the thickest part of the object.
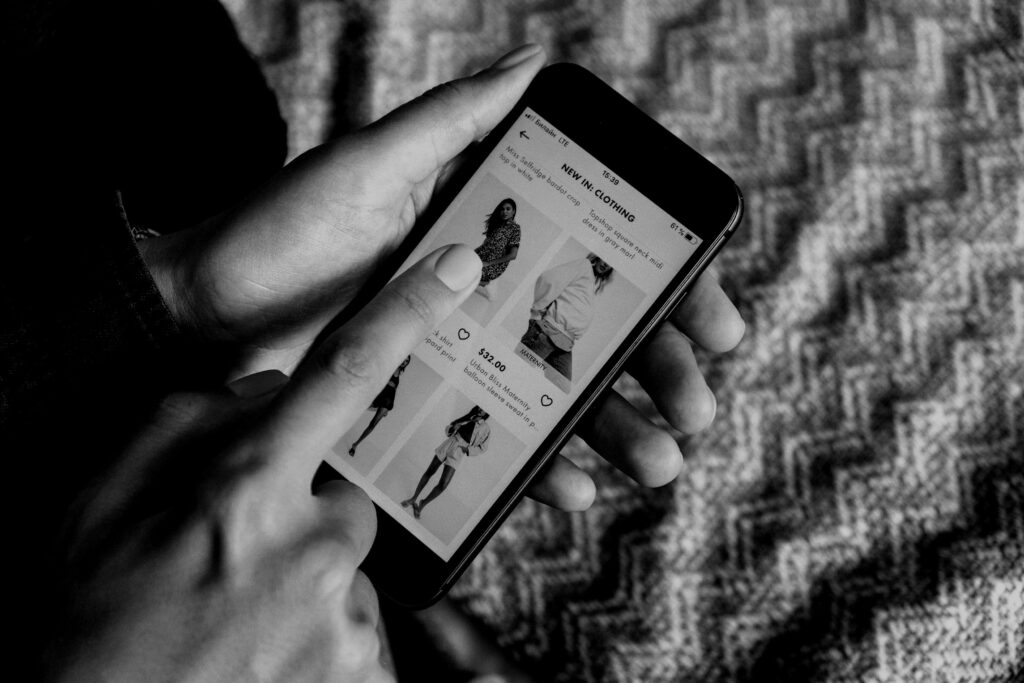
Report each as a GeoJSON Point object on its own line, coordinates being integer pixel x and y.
{"type": "Point", "coordinates": [667, 370]}
{"type": "Point", "coordinates": [266, 278]}
{"type": "Point", "coordinates": [202, 555]}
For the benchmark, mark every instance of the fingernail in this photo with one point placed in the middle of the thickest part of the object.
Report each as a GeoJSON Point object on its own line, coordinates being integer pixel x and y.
{"type": "Point", "coordinates": [458, 267]}
{"type": "Point", "coordinates": [258, 383]}
{"type": "Point", "coordinates": [714, 404]}
{"type": "Point", "coordinates": [517, 56]}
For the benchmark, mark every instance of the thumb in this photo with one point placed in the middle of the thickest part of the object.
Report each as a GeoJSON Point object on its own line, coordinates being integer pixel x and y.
{"type": "Point", "coordinates": [335, 383]}
{"type": "Point", "coordinates": [419, 137]}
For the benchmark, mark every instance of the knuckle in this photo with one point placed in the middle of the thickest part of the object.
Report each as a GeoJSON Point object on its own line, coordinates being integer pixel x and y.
{"type": "Point", "coordinates": [349, 361]}
{"type": "Point", "coordinates": [236, 476]}
{"type": "Point", "coordinates": [350, 637]}
{"type": "Point", "coordinates": [234, 501]}
{"type": "Point", "coordinates": [356, 538]}
{"type": "Point", "coordinates": [421, 308]}
{"type": "Point", "coordinates": [183, 408]}
{"type": "Point", "coordinates": [446, 94]}
{"type": "Point", "coordinates": [330, 549]}
{"type": "Point", "coordinates": [455, 115]}
{"type": "Point", "coordinates": [364, 605]}
{"type": "Point", "coordinates": [187, 552]}
{"type": "Point", "coordinates": [333, 547]}
{"type": "Point", "coordinates": [353, 616]}
{"type": "Point", "coordinates": [357, 646]}
{"type": "Point", "coordinates": [357, 643]}
{"type": "Point", "coordinates": [328, 562]}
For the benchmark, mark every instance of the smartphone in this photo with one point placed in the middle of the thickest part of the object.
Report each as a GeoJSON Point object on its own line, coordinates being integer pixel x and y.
{"type": "Point", "coordinates": [591, 221]}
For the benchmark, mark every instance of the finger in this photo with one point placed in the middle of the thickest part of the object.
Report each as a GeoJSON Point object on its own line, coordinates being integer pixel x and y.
{"type": "Point", "coordinates": [708, 316]}
{"type": "Point", "coordinates": [629, 441]}
{"type": "Point", "coordinates": [667, 370]}
{"type": "Point", "coordinates": [335, 383]}
{"type": "Point", "coordinates": [137, 484]}
{"type": "Point", "coordinates": [421, 136]}
{"type": "Point", "coordinates": [348, 512]}
{"type": "Point", "coordinates": [563, 485]}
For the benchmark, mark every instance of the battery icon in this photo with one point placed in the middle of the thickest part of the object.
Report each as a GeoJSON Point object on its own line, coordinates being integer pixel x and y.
{"type": "Point", "coordinates": [689, 237]}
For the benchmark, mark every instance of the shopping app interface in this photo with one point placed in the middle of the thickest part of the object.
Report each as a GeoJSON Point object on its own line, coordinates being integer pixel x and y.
{"type": "Point", "coordinates": [573, 256]}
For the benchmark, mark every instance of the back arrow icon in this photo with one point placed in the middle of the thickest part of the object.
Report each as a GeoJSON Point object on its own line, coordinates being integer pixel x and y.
{"type": "Point", "coordinates": [523, 134]}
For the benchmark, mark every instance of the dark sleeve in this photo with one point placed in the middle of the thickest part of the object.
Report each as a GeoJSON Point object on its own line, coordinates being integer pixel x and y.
{"type": "Point", "coordinates": [154, 102]}
{"type": "Point", "coordinates": [86, 345]}
{"type": "Point", "coordinates": [82, 325]}
{"type": "Point", "coordinates": [114, 111]}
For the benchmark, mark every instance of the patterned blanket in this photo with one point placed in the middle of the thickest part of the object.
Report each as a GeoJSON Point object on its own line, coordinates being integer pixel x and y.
{"type": "Point", "coordinates": [856, 513]}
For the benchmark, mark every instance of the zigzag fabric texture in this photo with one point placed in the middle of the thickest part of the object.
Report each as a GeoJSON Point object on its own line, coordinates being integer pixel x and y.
{"type": "Point", "coordinates": [856, 512]}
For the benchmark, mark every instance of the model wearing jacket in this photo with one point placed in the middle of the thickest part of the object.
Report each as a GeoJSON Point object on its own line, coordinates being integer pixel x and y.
{"type": "Point", "coordinates": [464, 436]}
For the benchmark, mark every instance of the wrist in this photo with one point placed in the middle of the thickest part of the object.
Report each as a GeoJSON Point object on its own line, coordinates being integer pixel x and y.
{"type": "Point", "coordinates": [165, 258]}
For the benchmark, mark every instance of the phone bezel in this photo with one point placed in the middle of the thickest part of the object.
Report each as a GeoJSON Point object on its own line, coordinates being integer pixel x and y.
{"type": "Point", "coordinates": [399, 564]}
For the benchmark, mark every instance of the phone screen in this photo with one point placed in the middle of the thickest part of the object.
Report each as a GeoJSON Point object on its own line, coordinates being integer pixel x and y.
{"type": "Point", "coordinates": [573, 257]}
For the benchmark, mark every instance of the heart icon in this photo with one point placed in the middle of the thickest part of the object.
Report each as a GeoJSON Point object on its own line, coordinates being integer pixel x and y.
{"type": "Point", "coordinates": [463, 333]}
{"type": "Point", "coordinates": [545, 400]}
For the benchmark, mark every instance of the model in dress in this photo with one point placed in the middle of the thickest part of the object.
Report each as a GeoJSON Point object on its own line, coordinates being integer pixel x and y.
{"type": "Point", "coordinates": [383, 404]}
{"type": "Point", "coordinates": [501, 244]}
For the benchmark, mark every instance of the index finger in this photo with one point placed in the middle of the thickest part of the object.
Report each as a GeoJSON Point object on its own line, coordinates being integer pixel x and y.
{"type": "Point", "coordinates": [338, 380]}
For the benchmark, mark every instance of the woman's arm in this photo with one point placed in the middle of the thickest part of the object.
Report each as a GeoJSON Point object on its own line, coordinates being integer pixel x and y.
{"type": "Point", "coordinates": [481, 435]}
